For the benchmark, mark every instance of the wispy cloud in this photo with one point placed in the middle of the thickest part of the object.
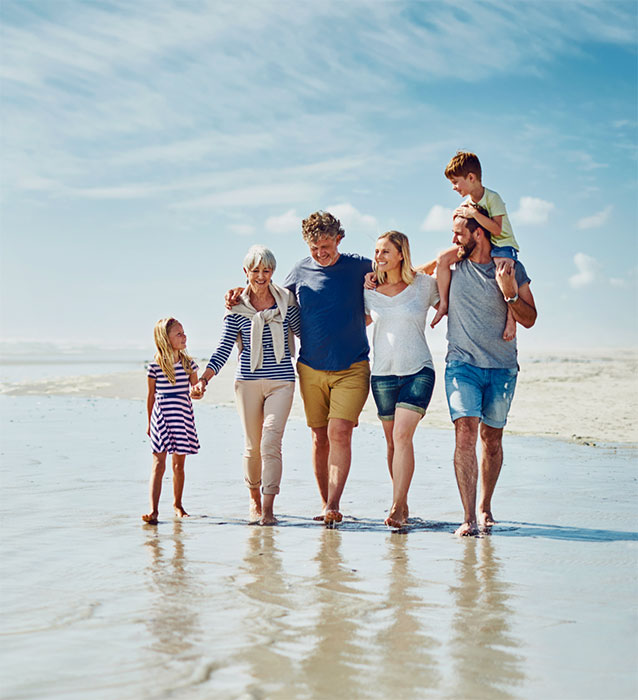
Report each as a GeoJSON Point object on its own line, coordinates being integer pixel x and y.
{"type": "Point", "coordinates": [588, 271]}
{"type": "Point", "coordinates": [595, 220]}
{"type": "Point", "coordinates": [438, 219]}
{"type": "Point", "coordinates": [532, 211]}
{"type": "Point", "coordinates": [353, 220]}
{"type": "Point", "coordinates": [289, 222]}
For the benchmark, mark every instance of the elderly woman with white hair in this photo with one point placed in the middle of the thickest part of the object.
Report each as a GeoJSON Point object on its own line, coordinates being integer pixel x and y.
{"type": "Point", "coordinates": [262, 325]}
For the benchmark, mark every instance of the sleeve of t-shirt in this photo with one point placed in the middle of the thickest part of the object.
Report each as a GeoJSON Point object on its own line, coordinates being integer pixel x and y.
{"type": "Point", "coordinates": [291, 281]}
{"type": "Point", "coordinates": [194, 366]}
{"type": "Point", "coordinates": [521, 274]}
{"type": "Point", "coordinates": [150, 371]}
{"type": "Point", "coordinates": [495, 205]}
{"type": "Point", "coordinates": [366, 306]}
{"type": "Point", "coordinates": [294, 320]}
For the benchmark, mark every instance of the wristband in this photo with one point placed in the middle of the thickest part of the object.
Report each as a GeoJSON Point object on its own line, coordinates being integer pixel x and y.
{"type": "Point", "coordinates": [202, 379]}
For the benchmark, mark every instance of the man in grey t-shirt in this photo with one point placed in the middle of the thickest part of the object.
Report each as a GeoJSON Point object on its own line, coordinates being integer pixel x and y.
{"type": "Point", "coordinates": [481, 367]}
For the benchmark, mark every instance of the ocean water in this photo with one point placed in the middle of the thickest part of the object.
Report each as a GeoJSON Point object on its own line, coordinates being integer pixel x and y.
{"type": "Point", "coordinates": [95, 604]}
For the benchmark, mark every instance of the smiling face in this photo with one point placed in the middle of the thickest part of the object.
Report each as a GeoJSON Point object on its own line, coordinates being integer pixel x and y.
{"type": "Point", "coordinates": [463, 185]}
{"type": "Point", "coordinates": [177, 337]}
{"type": "Point", "coordinates": [387, 256]}
{"type": "Point", "coordinates": [324, 251]}
{"type": "Point", "coordinates": [463, 237]}
{"type": "Point", "coordinates": [259, 277]}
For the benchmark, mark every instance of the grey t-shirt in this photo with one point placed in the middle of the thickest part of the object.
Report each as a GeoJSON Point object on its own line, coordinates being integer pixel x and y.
{"type": "Point", "coordinates": [476, 317]}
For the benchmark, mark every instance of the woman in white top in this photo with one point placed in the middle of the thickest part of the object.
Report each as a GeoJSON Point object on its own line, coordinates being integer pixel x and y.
{"type": "Point", "coordinates": [402, 370]}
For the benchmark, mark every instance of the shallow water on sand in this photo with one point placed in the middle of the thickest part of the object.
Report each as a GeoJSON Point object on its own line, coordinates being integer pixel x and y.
{"type": "Point", "coordinates": [96, 604]}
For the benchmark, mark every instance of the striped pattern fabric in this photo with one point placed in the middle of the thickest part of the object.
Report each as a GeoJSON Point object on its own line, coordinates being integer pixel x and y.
{"type": "Point", "coordinates": [172, 419]}
{"type": "Point", "coordinates": [234, 325]}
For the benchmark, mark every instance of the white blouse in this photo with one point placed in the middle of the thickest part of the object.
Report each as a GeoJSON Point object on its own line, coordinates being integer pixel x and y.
{"type": "Point", "coordinates": [399, 346]}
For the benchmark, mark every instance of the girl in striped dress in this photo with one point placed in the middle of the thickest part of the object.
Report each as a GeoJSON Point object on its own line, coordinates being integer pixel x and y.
{"type": "Point", "coordinates": [171, 423]}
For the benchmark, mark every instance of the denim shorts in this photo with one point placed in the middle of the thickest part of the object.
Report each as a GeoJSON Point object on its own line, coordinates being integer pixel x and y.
{"type": "Point", "coordinates": [412, 391]}
{"type": "Point", "coordinates": [504, 251]}
{"type": "Point", "coordinates": [483, 393]}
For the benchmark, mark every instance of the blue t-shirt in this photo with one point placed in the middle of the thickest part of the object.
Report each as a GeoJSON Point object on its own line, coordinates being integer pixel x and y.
{"type": "Point", "coordinates": [333, 328]}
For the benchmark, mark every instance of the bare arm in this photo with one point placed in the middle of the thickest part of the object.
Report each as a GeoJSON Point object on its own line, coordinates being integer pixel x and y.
{"type": "Point", "coordinates": [524, 308]}
{"type": "Point", "coordinates": [150, 402]}
{"type": "Point", "coordinates": [199, 387]}
{"type": "Point", "coordinates": [492, 226]}
{"type": "Point", "coordinates": [368, 319]}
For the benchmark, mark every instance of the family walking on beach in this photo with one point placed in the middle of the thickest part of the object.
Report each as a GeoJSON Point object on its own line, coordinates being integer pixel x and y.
{"type": "Point", "coordinates": [327, 300]}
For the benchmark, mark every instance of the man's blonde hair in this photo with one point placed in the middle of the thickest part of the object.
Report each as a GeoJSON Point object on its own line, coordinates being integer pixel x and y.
{"type": "Point", "coordinates": [321, 224]}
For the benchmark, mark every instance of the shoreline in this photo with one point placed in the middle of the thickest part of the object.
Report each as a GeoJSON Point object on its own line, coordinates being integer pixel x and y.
{"type": "Point", "coordinates": [587, 399]}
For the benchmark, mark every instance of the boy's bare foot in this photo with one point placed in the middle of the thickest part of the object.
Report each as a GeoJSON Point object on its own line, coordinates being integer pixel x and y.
{"type": "Point", "coordinates": [440, 312]}
{"type": "Point", "coordinates": [487, 519]}
{"type": "Point", "coordinates": [510, 329]}
{"type": "Point", "coordinates": [332, 516]}
{"type": "Point", "coordinates": [180, 512]}
{"type": "Point", "coordinates": [150, 518]}
{"type": "Point", "coordinates": [467, 529]}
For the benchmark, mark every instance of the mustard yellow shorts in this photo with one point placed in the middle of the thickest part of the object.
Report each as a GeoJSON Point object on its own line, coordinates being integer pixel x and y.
{"type": "Point", "coordinates": [329, 395]}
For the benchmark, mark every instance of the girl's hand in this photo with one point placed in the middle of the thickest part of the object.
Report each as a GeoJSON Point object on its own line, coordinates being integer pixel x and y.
{"type": "Point", "coordinates": [198, 390]}
{"type": "Point", "coordinates": [148, 430]}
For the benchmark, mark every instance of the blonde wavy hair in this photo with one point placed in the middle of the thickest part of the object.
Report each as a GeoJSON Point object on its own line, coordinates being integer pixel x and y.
{"type": "Point", "coordinates": [402, 244]}
{"type": "Point", "coordinates": [164, 355]}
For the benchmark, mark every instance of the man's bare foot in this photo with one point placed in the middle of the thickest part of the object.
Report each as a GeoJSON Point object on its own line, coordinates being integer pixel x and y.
{"type": "Point", "coordinates": [332, 516]}
{"type": "Point", "coordinates": [440, 312]}
{"type": "Point", "coordinates": [486, 519]}
{"type": "Point", "coordinates": [510, 329]}
{"type": "Point", "coordinates": [180, 512]}
{"type": "Point", "coordinates": [466, 530]}
{"type": "Point", "coordinates": [150, 518]}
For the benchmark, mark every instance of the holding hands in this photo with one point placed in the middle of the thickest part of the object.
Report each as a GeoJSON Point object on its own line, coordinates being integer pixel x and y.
{"type": "Point", "coordinates": [199, 389]}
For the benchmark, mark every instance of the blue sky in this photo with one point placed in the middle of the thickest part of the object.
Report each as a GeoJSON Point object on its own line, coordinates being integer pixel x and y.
{"type": "Point", "coordinates": [147, 145]}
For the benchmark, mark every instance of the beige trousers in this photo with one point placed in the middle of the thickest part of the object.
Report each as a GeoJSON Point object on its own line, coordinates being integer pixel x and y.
{"type": "Point", "coordinates": [264, 406]}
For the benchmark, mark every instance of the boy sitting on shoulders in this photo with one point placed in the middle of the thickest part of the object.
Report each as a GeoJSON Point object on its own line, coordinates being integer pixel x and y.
{"type": "Point", "coordinates": [464, 172]}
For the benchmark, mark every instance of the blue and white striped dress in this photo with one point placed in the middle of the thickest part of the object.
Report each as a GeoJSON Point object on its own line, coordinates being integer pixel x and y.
{"type": "Point", "coordinates": [172, 418]}
{"type": "Point", "coordinates": [236, 324]}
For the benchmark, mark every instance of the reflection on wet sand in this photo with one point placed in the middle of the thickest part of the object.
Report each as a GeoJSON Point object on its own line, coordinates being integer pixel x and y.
{"type": "Point", "coordinates": [409, 664]}
{"type": "Point", "coordinates": [267, 631]}
{"type": "Point", "coordinates": [337, 664]}
{"type": "Point", "coordinates": [172, 619]}
{"type": "Point", "coordinates": [484, 651]}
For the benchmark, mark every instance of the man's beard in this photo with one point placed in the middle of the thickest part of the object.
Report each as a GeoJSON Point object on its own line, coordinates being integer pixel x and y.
{"type": "Point", "coordinates": [465, 251]}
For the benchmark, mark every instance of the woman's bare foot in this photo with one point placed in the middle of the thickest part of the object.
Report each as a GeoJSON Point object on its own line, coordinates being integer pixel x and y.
{"type": "Point", "coordinates": [268, 519]}
{"type": "Point", "coordinates": [398, 517]}
{"type": "Point", "coordinates": [486, 519]}
{"type": "Point", "coordinates": [150, 518]}
{"type": "Point", "coordinates": [332, 516]}
{"type": "Point", "coordinates": [466, 530]}
{"type": "Point", "coordinates": [180, 512]}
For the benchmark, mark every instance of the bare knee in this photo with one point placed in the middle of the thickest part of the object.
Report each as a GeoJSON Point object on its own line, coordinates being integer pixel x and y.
{"type": "Point", "coordinates": [491, 439]}
{"type": "Point", "coordinates": [466, 433]}
{"type": "Point", "coordinates": [340, 432]}
{"type": "Point", "coordinates": [320, 438]}
{"type": "Point", "coordinates": [402, 437]}
{"type": "Point", "coordinates": [159, 464]}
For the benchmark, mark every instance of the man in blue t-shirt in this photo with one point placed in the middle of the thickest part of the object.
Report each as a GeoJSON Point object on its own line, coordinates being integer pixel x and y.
{"type": "Point", "coordinates": [333, 367]}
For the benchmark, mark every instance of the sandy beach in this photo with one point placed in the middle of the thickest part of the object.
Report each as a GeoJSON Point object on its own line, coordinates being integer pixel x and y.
{"type": "Point", "coordinates": [98, 605]}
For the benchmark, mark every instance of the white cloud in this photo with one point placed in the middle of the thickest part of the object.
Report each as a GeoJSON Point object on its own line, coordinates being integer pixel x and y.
{"type": "Point", "coordinates": [595, 220]}
{"type": "Point", "coordinates": [286, 223]}
{"type": "Point", "coordinates": [257, 195]}
{"type": "Point", "coordinates": [242, 229]}
{"type": "Point", "coordinates": [618, 282]}
{"type": "Point", "coordinates": [532, 211]}
{"type": "Point", "coordinates": [438, 219]}
{"type": "Point", "coordinates": [353, 220]}
{"type": "Point", "coordinates": [588, 271]}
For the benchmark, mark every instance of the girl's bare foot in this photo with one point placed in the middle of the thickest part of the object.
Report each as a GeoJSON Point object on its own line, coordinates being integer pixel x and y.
{"type": "Point", "coordinates": [466, 530]}
{"type": "Point", "coordinates": [180, 512]}
{"type": "Point", "coordinates": [150, 518]}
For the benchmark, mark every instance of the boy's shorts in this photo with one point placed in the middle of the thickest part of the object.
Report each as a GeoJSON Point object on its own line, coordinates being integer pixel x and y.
{"type": "Point", "coordinates": [412, 391]}
{"type": "Point", "coordinates": [484, 393]}
{"type": "Point", "coordinates": [504, 251]}
{"type": "Point", "coordinates": [339, 394]}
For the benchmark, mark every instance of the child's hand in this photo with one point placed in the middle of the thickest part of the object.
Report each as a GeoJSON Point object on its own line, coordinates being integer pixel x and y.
{"type": "Point", "coordinates": [148, 430]}
{"type": "Point", "coordinates": [198, 390]}
{"type": "Point", "coordinates": [370, 281]}
{"type": "Point", "coordinates": [466, 210]}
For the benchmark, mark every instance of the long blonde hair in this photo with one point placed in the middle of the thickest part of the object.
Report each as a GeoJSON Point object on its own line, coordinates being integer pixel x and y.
{"type": "Point", "coordinates": [402, 244]}
{"type": "Point", "coordinates": [164, 355]}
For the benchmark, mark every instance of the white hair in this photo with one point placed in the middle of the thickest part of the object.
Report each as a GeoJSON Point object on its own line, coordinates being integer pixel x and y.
{"type": "Point", "coordinates": [259, 254]}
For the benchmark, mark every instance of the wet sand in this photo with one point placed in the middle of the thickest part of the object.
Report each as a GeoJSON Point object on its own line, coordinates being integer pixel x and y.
{"type": "Point", "coordinates": [98, 605]}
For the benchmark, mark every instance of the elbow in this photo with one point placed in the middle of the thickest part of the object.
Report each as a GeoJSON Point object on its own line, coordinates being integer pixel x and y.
{"type": "Point", "coordinates": [529, 320]}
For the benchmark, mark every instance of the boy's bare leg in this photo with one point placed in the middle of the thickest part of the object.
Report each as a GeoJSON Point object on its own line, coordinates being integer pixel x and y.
{"type": "Point", "coordinates": [510, 327]}
{"type": "Point", "coordinates": [443, 277]}
{"type": "Point", "coordinates": [155, 486]}
{"type": "Point", "coordinates": [178, 485]}
{"type": "Point", "coordinates": [320, 452]}
{"type": "Point", "coordinates": [268, 517]}
{"type": "Point", "coordinates": [339, 457]}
